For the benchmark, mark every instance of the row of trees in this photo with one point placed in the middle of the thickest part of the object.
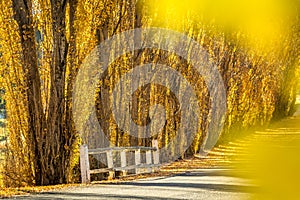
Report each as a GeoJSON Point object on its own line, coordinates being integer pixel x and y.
{"type": "Point", "coordinates": [44, 42]}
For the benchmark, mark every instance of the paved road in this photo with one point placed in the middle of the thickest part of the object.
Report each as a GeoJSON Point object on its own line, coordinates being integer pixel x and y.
{"type": "Point", "coordinates": [200, 184]}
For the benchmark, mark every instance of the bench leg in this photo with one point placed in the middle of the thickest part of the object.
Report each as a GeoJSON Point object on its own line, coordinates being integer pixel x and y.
{"type": "Point", "coordinates": [111, 175]}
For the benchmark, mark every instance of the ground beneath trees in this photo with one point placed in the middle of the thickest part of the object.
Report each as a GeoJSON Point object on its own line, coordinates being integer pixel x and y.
{"type": "Point", "coordinates": [237, 170]}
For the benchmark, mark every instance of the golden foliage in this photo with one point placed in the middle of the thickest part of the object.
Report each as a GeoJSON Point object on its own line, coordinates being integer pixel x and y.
{"type": "Point", "coordinates": [260, 66]}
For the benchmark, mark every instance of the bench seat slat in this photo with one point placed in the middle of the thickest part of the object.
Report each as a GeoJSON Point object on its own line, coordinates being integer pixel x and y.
{"type": "Point", "coordinates": [136, 166]}
{"type": "Point", "coordinates": [99, 171]}
{"type": "Point", "coordinates": [104, 150]}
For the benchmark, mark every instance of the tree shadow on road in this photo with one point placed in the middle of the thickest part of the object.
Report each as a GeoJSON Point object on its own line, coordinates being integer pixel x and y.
{"type": "Point", "coordinates": [90, 196]}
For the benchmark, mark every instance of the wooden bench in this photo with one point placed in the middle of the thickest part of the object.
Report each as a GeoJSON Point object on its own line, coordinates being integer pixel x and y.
{"type": "Point", "coordinates": [151, 153]}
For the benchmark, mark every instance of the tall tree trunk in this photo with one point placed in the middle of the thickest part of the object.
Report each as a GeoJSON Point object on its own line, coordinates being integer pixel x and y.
{"type": "Point", "coordinates": [36, 117]}
{"type": "Point", "coordinates": [52, 136]}
{"type": "Point", "coordinates": [70, 133]}
{"type": "Point", "coordinates": [54, 150]}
